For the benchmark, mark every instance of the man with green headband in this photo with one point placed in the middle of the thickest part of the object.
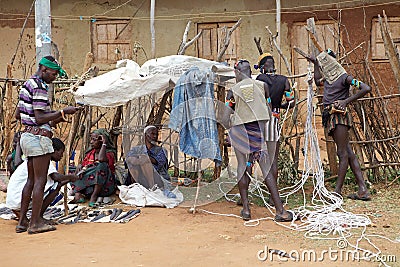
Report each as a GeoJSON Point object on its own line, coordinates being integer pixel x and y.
{"type": "Point", "coordinates": [48, 63]}
{"type": "Point", "coordinates": [37, 118]}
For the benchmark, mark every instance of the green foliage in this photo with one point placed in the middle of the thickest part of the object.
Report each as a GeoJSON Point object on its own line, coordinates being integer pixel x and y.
{"type": "Point", "coordinates": [206, 174]}
{"type": "Point", "coordinates": [287, 174]}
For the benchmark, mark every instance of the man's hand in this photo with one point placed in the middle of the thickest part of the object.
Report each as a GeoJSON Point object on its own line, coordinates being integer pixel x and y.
{"type": "Point", "coordinates": [71, 110]}
{"type": "Point", "coordinates": [340, 104]}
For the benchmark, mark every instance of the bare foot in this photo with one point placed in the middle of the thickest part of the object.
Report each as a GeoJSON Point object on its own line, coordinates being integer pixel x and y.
{"type": "Point", "coordinates": [40, 228]}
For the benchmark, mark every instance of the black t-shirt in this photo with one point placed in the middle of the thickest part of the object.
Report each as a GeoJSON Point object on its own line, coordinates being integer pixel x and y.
{"type": "Point", "coordinates": [276, 85]}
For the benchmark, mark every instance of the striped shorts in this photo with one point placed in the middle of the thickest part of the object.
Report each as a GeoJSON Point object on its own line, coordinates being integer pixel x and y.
{"type": "Point", "coordinates": [248, 137]}
{"type": "Point", "coordinates": [272, 130]}
{"type": "Point", "coordinates": [331, 120]}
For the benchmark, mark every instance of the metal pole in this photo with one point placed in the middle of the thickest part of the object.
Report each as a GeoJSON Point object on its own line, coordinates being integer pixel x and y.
{"type": "Point", "coordinates": [278, 28]}
{"type": "Point", "coordinates": [152, 30]}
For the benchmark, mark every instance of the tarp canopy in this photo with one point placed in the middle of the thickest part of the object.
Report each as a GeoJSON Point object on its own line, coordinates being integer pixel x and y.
{"type": "Point", "coordinates": [130, 81]}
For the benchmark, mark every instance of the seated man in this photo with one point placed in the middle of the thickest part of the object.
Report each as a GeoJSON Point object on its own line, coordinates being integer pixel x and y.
{"type": "Point", "coordinates": [54, 183]}
{"type": "Point", "coordinates": [148, 163]}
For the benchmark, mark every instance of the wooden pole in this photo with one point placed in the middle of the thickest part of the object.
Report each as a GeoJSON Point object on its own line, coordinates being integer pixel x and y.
{"type": "Point", "coordinates": [330, 147]}
{"type": "Point", "coordinates": [8, 116]}
{"type": "Point", "coordinates": [227, 40]}
{"type": "Point", "coordinates": [198, 185]}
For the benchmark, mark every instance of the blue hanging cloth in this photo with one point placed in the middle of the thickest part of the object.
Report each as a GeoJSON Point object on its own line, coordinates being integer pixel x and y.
{"type": "Point", "coordinates": [193, 115]}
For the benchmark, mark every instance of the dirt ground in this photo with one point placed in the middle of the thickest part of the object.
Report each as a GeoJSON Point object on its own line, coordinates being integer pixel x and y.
{"type": "Point", "coordinates": [175, 237]}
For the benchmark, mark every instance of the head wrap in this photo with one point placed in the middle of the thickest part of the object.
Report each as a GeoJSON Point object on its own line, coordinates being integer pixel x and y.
{"type": "Point", "coordinates": [262, 58]}
{"type": "Point", "coordinates": [110, 145]}
{"type": "Point", "coordinates": [52, 65]}
{"type": "Point", "coordinates": [148, 128]}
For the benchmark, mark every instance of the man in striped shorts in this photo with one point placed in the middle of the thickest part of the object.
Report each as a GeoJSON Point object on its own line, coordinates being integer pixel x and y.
{"type": "Point", "coordinates": [330, 74]}
{"type": "Point", "coordinates": [249, 99]}
{"type": "Point", "coordinates": [34, 112]}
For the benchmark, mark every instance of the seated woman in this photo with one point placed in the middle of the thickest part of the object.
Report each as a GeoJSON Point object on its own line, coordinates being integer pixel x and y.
{"type": "Point", "coordinates": [15, 158]}
{"type": "Point", "coordinates": [97, 170]}
{"type": "Point", "coordinates": [148, 163]}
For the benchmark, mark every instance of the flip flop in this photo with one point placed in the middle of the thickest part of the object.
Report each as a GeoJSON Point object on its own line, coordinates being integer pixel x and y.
{"type": "Point", "coordinates": [355, 196]}
{"type": "Point", "coordinates": [245, 216]}
{"type": "Point", "coordinates": [79, 201]}
{"type": "Point", "coordinates": [45, 228]}
{"type": "Point", "coordinates": [93, 204]}
{"type": "Point", "coordinates": [20, 229]}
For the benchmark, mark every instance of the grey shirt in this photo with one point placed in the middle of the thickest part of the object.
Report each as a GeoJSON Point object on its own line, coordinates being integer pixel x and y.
{"type": "Point", "coordinates": [338, 90]}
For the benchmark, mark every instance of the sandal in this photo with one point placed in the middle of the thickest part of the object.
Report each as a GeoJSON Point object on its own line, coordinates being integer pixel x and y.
{"type": "Point", "coordinates": [355, 196]}
{"type": "Point", "coordinates": [279, 218]}
{"type": "Point", "coordinates": [245, 216]}
{"type": "Point", "coordinates": [93, 204]}
{"type": "Point", "coordinates": [20, 229]}
{"type": "Point", "coordinates": [43, 229]}
{"type": "Point", "coordinates": [77, 201]}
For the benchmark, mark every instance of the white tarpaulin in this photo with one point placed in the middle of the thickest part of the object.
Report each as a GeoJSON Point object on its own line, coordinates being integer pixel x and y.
{"type": "Point", "coordinates": [130, 81]}
{"type": "Point", "coordinates": [138, 195]}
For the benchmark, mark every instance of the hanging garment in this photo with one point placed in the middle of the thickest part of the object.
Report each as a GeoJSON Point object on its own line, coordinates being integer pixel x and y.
{"type": "Point", "coordinates": [193, 114]}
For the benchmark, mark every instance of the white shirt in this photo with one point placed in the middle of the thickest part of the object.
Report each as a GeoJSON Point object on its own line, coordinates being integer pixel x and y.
{"type": "Point", "coordinates": [17, 182]}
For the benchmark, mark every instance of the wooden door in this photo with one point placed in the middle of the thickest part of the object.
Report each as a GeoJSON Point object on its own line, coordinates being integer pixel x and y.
{"type": "Point", "coordinates": [301, 40]}
{"type": "Point", "coordinates": [212, 40]}
{"type": "Point", "coordinates": [111, 41]}
{"type": "Point", "coordinates": [377, 45]}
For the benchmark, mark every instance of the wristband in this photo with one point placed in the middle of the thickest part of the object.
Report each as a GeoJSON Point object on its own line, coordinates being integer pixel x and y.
{"type": "Point", "coordinates": [104, 144]}
{"type": "Point", "coordinates": [268, 100]}
{"type": "Point", "coordinates": [356, 83]}
{"type": "Point", "coordinates": [289, 95]}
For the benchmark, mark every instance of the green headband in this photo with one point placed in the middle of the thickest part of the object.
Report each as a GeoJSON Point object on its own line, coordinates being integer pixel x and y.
{"type": "Point", "coordinates": [52, 65]}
